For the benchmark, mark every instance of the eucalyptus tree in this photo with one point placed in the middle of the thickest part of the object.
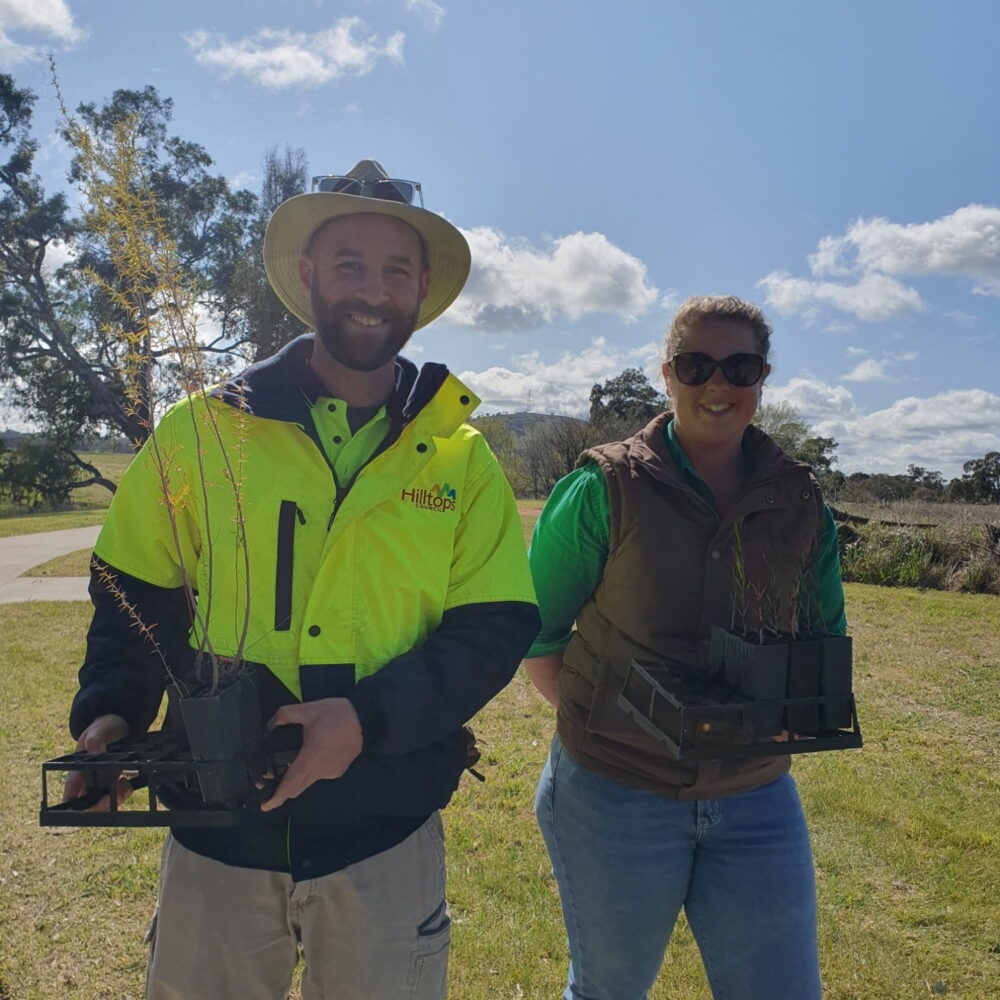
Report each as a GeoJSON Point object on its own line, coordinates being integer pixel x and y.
{"type": "Point", "coordinates": [63, 357]}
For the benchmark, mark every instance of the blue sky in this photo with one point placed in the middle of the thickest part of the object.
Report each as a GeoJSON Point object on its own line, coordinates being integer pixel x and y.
{"type": "Point", "coordinates": [836, 163]}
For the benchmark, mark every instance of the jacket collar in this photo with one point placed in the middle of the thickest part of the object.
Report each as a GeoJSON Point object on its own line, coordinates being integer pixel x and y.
{"type": "Point", "coordinates": [649, 449]}
{"type": "Point", "coordinates": [284, 387]}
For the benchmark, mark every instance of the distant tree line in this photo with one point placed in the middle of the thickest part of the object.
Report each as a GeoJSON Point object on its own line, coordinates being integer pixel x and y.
{"type": "Point", "coordinates": [536, 453]}
{"type": "Point", "coordinates": [979, 483]}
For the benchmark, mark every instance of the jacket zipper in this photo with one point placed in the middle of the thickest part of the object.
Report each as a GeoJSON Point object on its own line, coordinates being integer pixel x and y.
{"type": "Point", "coordinates": [341, 491]}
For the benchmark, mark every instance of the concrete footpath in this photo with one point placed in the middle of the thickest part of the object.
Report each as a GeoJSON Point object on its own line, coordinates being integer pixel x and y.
{"type": "Point", "coordinates": [22, 552]}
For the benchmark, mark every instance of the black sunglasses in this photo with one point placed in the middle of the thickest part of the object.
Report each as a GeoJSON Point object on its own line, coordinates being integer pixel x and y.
{"type": "Point", "coordinates": [695, 368]}
{"type": "Point", "coordinates": [387, 189]}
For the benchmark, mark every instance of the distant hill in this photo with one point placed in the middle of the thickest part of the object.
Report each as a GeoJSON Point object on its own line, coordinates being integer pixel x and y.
{"type": "Point", "coordinates": [89, 443]}
{"type": "Point", "coordinates": [520, 423]}
{"type": "Point", "coordinates": [11, 437]}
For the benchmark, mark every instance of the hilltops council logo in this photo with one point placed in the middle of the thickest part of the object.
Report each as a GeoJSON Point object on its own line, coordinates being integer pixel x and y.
{"type": "Point", "coordinates": [438, 498]}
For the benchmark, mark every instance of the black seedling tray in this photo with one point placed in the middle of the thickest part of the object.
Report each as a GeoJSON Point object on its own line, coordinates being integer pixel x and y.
{"type": "Point", "coordinates": [700, 717]}
{"type": "Point", "coordinates": [156, 763]}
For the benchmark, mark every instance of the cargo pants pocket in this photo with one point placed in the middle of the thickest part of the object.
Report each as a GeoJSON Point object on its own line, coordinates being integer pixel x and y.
{"type": "Point", "coordinates": [428, 977]}
{"type": "Point", "coordinates": [149, 939]}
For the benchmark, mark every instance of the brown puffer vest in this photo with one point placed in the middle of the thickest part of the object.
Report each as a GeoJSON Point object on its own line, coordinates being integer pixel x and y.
{"type": "Point", "coordinates": [673, 570]}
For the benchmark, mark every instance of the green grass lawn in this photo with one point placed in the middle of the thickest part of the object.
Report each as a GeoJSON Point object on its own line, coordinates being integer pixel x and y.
{"type": "Point", "coordinates": [27, 524]}
{"type": "Point", "coordinates": [905, 830]}
{"type": "Point", "coordinates": [89, 504]}
{"type": "Point", "coordinates": [71, 564]}
{"type": "Point", "coordinates": [112, 465]}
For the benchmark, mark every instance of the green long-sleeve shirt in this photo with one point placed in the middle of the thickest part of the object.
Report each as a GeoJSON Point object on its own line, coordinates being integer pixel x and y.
{"type": "Point", "coordinates": [569, 548]}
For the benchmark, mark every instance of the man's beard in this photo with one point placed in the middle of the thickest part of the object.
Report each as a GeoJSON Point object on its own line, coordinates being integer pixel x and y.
{"type": "Point", "coordinates": [360, 352]}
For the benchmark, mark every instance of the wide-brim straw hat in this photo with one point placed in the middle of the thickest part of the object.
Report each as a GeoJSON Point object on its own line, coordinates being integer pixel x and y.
{"type": "Point", "coordinates": [294, 222]}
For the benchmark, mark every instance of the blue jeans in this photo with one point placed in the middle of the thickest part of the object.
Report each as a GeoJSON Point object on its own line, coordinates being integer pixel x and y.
{"type": "Point", "coordinates": [626, 861]}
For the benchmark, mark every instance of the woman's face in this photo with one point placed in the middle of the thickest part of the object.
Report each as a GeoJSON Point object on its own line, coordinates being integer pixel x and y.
{"type": "Point", "coordinates": [714, 416]}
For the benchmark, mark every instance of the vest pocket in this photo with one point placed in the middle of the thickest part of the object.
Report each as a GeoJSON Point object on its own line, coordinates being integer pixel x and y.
{"type": "Point", "coordinates": [283, 564]}
{"type": "Point", "coordinates": [605, 718]}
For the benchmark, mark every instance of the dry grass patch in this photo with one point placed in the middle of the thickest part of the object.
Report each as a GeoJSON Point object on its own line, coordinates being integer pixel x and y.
{"type": "Point", "coordinates": [924, 512]}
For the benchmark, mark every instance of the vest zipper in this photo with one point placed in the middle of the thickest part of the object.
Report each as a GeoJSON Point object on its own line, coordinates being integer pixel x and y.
{"type": "Point", "coordinates": [283, 564]}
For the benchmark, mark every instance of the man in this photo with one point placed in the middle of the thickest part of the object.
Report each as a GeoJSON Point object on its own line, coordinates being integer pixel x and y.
{"type": "Point", "coordinates": [383, 589]}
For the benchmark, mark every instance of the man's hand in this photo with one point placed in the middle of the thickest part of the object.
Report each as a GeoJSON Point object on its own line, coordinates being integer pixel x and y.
{"type": "Point", "coordinates": [105, 729]}
{"type": "Point", "coordinates": [331, 739]}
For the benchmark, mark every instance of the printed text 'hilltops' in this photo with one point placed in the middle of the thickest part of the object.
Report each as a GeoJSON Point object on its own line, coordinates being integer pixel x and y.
{"type": "Point", "coordinates": [439, 498]}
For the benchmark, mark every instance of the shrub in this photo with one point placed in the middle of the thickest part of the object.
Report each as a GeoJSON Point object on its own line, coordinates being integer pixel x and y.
{"type": "Point", "coordinates": [980, 575]}
{"type": "Point", "coordinates": [36, 473]}
{"type": "Point", "coordinates": [898, 555]}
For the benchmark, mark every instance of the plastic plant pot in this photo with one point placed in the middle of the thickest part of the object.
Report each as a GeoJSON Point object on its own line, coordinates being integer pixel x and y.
{"type": "Point", "coordinates": [763, 678]}
{"type": "Point", "coordinates": [805, 665]}
{"type": "Point", "coordinates": [712, 721]}
{"type": "Point", "coordinates": [225, 733]}
{"type": "Point", "coordinates": [837, 679]}
{"type": "Point", "coordinates": [758, 669]}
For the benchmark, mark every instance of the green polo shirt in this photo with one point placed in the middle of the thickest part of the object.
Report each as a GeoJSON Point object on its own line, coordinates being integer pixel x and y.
{"type": "Point", "coordinates": [349, 434]}
{"type": "Point", "coordinates": [569, 547]}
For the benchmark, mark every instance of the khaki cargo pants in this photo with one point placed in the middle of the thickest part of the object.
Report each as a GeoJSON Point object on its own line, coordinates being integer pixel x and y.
{"type": "Point", "coordinates": [378, 930]}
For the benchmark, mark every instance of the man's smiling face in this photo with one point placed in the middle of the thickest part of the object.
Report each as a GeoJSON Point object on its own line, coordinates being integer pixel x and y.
{"type": "Point", "coordinates": [366, 279]}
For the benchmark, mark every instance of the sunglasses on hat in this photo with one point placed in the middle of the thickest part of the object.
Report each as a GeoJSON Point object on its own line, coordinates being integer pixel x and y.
{"type": "Point", "coordinates": [695, 368]}
{"type": "Point", "coordinates": [386, 188]}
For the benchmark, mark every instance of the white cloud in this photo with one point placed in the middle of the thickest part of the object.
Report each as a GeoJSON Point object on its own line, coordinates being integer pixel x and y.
{"type": "Point", "coordinates": [244, 179]}
{"type": "Point", "coordinates": [938, 432]}
{"type": "Point", "coordinates": [868, 370]}
{"type": "Point", "coordinates": [11, 53]}
{"type": "Point", "coordinates": [51, 18]}
{"type": "Point", "coordinates": [815, 400]}
{"type": "Point", "coordinates": [873, 297]}
{"type": "Point", "coordinates": [961, 318]}
{"type": "Point", "coordinates": [955, 410]}
{"type": "Point", "coordinates": [430, 13]}
{"type": "Point", "coordinates": [839, 326]}
{"type": "Point", "coordinates": [562, 386]}
{"type": "Point", "coordinates": [963, 244]}
{"type": "Point", "coordinates": [872, 370]}
{"type": "Point", "coordinates": [826, 260]}
{"type": "Point", "coordinates": [873, 253]}
{"type": "Point", "coordinates": [57, 253]}
{"type": "Point", "coordinates": [277, 57]}
{"type": "Point", "coordinates": [514, 286]}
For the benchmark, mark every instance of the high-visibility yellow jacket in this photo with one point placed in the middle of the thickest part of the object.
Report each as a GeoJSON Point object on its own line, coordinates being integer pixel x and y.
{"type": "Point", "coordinates": [406, 590]}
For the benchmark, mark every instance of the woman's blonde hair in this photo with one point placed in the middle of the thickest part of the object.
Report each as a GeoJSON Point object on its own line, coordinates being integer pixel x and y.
{"type": "Point", "coordinates": [698, 308]}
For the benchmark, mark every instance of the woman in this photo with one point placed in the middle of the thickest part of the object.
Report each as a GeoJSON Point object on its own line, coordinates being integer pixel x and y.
{"type": "Point", "coordinates": [642, 546]}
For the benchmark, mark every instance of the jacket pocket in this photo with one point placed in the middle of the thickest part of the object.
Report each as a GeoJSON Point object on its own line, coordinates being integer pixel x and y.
{"type": "Point", "coordinates": [284, 564]}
